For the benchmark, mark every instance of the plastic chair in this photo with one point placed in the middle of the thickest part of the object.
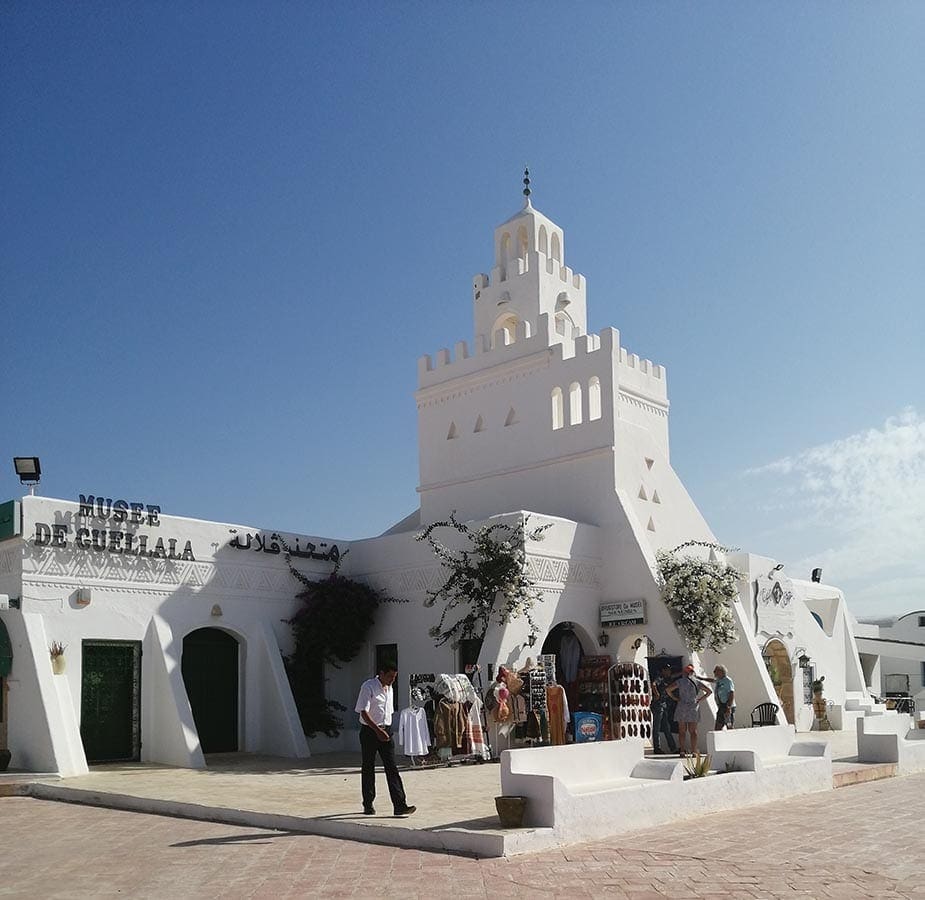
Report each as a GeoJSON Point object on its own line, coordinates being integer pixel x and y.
{"type": "Point", "coordinates": [764, 714]}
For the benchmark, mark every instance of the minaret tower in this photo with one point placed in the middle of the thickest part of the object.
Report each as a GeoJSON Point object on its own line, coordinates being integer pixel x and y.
{"type": "Point", "coordinates": [529, 278]}
{"type": "Point", "coordinates": [539, 414]}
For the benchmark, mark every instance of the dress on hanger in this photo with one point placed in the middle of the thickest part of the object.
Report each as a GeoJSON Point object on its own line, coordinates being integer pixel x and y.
{"type": "Point", "coordinates": [557, 707]}
{"type": "Point", "coordinates": [569, 656]}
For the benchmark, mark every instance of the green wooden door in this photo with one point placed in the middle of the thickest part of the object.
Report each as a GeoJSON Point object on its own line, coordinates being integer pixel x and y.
{"type": "Point", "coordinates": [210, 673]}
{"type": "Point", "coordinates": [110, 700]}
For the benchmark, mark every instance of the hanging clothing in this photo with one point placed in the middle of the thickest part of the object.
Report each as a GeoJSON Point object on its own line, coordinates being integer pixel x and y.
{"type": "Point", "coordinates": [413, 733]}
{"type": "Point", "coordinates": [557, 705]}
{"type": "Point", "coordinates": [478, 746]}
{"type": "Point", "coordinates": [569, 656]}
{"type": "Point", "coordinates": [519, 708]}
{"type": "Point", "coordinates": [450, 724]}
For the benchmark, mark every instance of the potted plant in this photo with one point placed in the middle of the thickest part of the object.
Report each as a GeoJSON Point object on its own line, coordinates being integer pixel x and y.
{"type": "Point", "coordinates": [820, 707]}
{"type": "Point", "coordinates": [56, 651]}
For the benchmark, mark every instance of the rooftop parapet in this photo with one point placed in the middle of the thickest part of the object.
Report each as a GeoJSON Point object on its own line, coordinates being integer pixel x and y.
{"type": "Point", "coordinates": [534, 261]}
{"type": "Point", "coordinates": [638, 374]}
{"type": "Point", "coordinates": [443, 366]}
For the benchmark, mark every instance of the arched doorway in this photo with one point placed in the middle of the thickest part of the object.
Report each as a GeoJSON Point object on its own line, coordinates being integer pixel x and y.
{"type": "Point", "coordinates": [777, 659]}
{"type": "Point", "coordinates": [568, 644]}
{"type": "Point", "coordinates": [210, 674]}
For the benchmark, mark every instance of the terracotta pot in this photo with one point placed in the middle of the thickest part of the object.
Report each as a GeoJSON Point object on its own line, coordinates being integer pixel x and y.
{"type": "Point", "coordinates": [511, 811]}
{"type": "Point", "coordinates": [57, 665]}
{"type": "Point", "coordinates": [5, 757]}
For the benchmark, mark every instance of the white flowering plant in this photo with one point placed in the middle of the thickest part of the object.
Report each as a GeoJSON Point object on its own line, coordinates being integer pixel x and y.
{"type": "Point", "coordinates": [487, 581]}
{"type": "Point", "coordinates": [699, 593]}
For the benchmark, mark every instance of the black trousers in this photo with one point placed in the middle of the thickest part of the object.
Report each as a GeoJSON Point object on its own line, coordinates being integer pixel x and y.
{"type": "Point", "coordinates": [370, 745]}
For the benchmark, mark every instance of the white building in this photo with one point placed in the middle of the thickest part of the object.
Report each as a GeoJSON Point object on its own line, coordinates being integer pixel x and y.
{"type": "Point", "coordinates": [536, 416]}
{"type": "Point", "coordinates": [898, 643]}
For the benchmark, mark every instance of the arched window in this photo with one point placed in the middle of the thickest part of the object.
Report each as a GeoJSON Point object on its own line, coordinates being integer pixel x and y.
{"type": "Point", "coordinates": [557, 411]}
{"type": "Point", "coordinates": [523, 242]}
{"type": "Point", "coordinates": [544, 240]}
{"type": "Point", "coordinates": [556, 252]}
{"type": "Point", "coordinates": [505, 253]}
{"type": "Point", "coordinates": [507, 326]}
{"type": "Point", "coordinates": [594, 398]}
{"type": "Point", "coordinates": [574, 403]}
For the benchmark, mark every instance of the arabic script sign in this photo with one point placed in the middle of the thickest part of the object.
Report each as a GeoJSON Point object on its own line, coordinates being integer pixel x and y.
{"type": "Point", "coordinates": [272, 544]}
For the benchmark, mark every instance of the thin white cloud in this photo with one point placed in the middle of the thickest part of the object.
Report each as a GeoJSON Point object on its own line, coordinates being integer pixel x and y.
{"type": "Point", "coordinates": [859, 505]}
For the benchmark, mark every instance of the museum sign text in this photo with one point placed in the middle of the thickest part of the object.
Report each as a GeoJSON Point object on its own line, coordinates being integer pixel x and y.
{"type": "Point", "coordinates": [119, 516]}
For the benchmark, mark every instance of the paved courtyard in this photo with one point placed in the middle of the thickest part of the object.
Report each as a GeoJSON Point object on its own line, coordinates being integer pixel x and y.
{"type": "Point", "coordinates": [863, 841]}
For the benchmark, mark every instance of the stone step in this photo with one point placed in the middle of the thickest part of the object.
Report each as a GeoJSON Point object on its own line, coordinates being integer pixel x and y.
{"type": "Point", "coordinates": [860, 774]}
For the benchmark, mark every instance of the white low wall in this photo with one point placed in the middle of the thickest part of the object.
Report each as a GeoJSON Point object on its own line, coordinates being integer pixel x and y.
{"type": "Point", "coordinates": [588, 791]}
{"type": "Point", "coordinates": [892, 739]}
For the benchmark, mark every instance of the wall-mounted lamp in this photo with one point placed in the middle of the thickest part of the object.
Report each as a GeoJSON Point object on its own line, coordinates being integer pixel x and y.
{"type": "Point", "coordinates": [603, 639]}
{"type": "Point", "coordinates": [817, 575]}
{"type": "Point", "coordinates": [803, 660]}
{"type": "Point", "coordinates": [216, 610]}
{"type": "Point", "coordinates": [29, 470]}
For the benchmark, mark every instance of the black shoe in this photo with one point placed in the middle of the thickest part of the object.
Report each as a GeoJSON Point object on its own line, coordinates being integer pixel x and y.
{"type": "Point", "coordinates": [368, 811]}
{"type": "Point", "coordinates": [406, 811]}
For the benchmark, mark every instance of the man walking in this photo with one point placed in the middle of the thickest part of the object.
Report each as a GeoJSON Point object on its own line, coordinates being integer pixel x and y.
{"type": "Point", "coordinates": [376, 706]}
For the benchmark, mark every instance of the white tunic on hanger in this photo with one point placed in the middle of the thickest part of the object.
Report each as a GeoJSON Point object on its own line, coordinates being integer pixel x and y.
{"type": "Point", "coordinates": [413, 733]}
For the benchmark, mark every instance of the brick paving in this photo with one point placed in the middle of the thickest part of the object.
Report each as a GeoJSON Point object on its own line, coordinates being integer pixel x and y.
{"type": "Point", "coordinates": [862, 841]}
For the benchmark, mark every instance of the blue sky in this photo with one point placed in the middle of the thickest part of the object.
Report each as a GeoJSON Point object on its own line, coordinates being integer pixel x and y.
{"type": "Point", "coordinates": [228, 230]}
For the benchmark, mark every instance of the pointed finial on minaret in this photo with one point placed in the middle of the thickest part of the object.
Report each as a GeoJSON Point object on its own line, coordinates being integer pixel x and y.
{"type": "Point", "coordinates": [527, 186]}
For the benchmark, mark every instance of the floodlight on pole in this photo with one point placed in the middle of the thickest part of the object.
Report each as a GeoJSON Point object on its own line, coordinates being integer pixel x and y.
{"type": "Point", "coordinates": [29, 470]}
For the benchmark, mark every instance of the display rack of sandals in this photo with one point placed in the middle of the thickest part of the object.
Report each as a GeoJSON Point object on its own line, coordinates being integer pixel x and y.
{"type": "Point", "coordinates": [630, 715]}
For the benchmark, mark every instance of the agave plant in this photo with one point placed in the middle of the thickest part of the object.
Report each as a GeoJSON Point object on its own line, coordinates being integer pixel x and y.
{"type": "Point", "coordinates": [697, 766]}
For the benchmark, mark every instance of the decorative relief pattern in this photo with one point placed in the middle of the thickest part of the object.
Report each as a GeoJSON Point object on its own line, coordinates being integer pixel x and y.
{"type": "Point", "coordinates": [548, 571]}
{"type": "Point", "coordinates": [399, 583]}
{"type": "Point", "coordinates": [555, 571]}
{"type": "Point", "coordinates": [508, 378]}
{"type": "Point", "coordinates": [652, 408]}
{"type": "Point", "coordinates": [167, 574]}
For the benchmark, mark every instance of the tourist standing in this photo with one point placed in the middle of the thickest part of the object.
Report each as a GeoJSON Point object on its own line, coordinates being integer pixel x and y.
{"type": "Point", "coordinates": [662, 711]}
{"type": "Point", "coordinates": [689, 694]}
{"type": "Point", "coordinates": [725, 692]}
{"type": "Point", "coordinates": [376, 707]}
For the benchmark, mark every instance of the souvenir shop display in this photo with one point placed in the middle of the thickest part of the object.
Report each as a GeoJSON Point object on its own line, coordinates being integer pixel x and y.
{"type": "Point", "coordinates": [593, 691]}
{"type": "Point", "coordinates": [445, 722]}
{"type": "Point", "coordinates": [516, 704]}
{"type": "Point", "coordinates": [536, 723]}
{"type": "Point", "coordinates": [630, 714]}
{"type": "Point", "coordinates": [557, 712]}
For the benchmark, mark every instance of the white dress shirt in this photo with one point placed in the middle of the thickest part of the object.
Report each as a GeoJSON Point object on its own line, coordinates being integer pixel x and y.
{"type": "Point", "coordinates": [376, 698]}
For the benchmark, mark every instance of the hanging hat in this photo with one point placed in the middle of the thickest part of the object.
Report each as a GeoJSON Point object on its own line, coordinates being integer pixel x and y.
{"type": "Point", "coordinates": [418, 697]}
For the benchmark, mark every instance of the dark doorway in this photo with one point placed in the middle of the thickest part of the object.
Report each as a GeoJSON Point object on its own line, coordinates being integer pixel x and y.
{"type": "Point", "coordinates": [110, 700]}
{"type": "Point", "coordinates": [210, 674]}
